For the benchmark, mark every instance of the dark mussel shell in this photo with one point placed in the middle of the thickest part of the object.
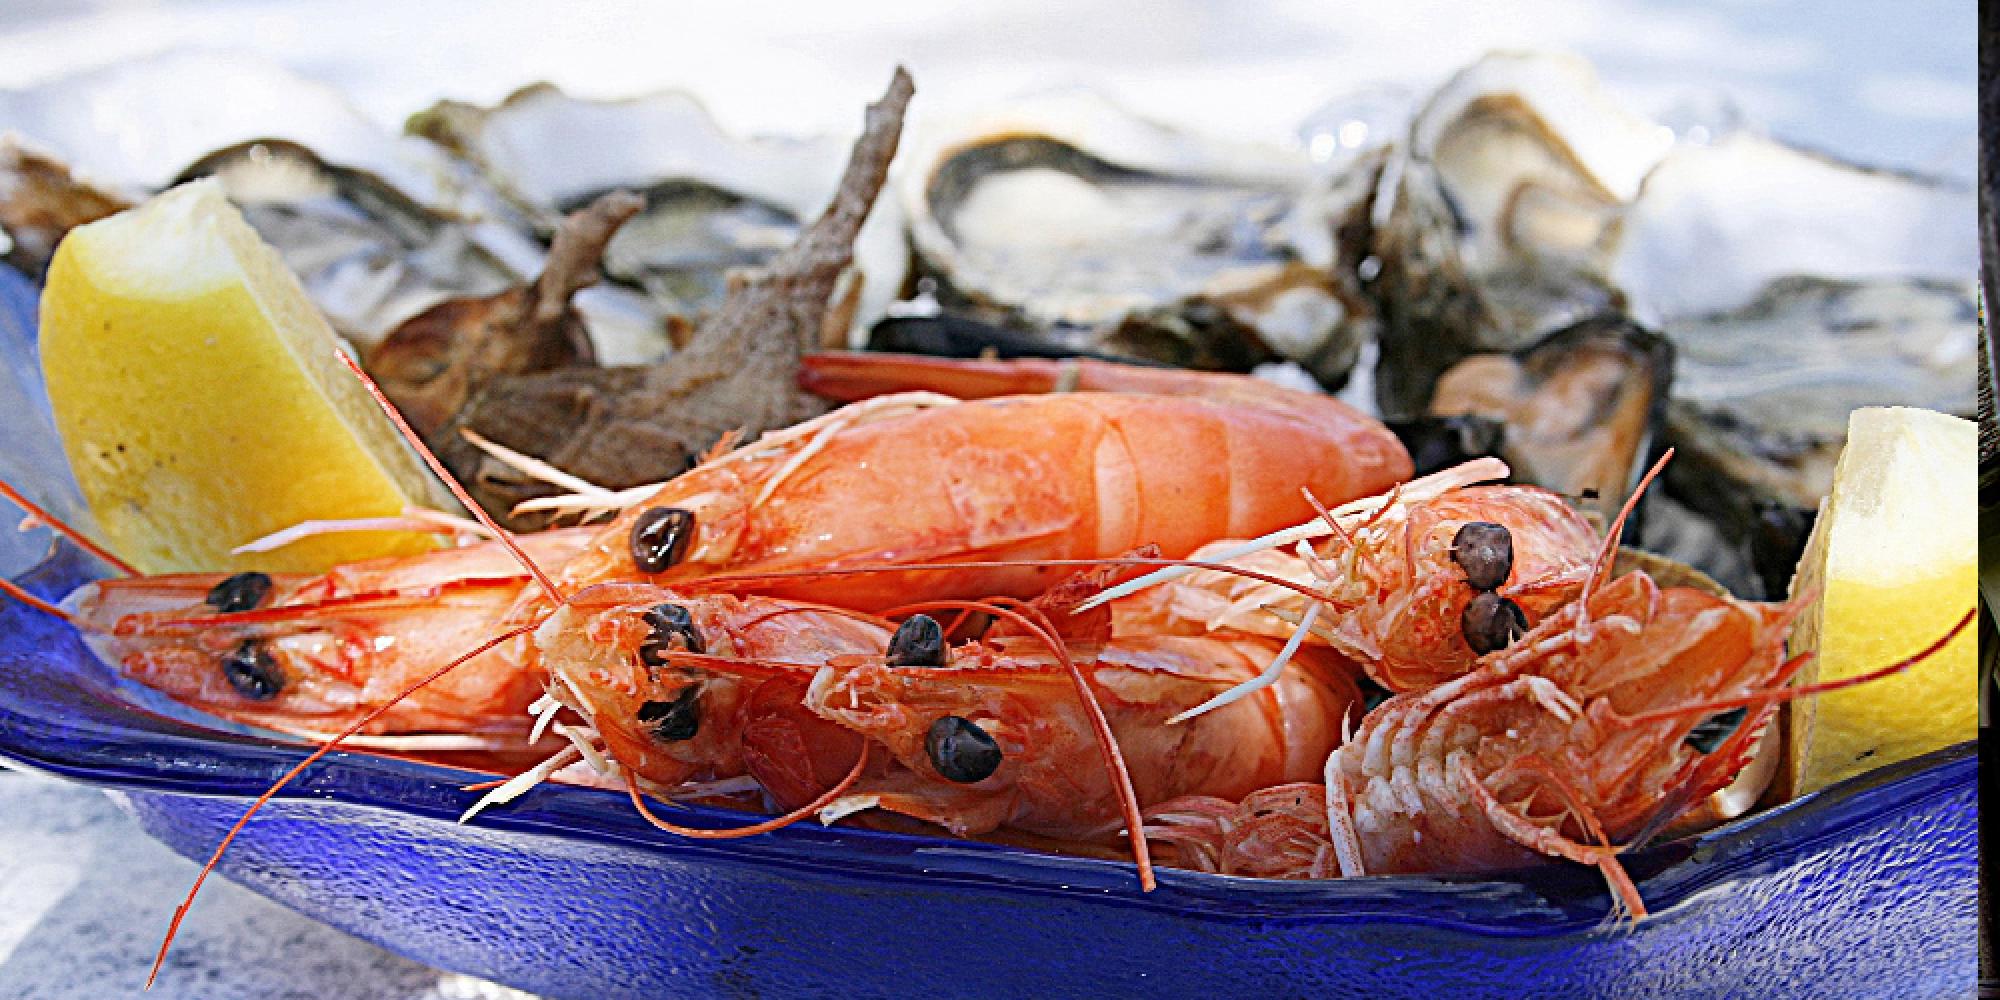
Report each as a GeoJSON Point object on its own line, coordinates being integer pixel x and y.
{"type": "Point", "coordinates": [1580, 408]}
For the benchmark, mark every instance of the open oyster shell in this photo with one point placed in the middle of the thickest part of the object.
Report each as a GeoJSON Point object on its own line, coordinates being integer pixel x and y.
{"type": "Point", "coordinates": [1526, 198]}
{"type": "Point", "coordinates": [1497, 217]}
{"type": "Point", "coordinates": [714, 202]}
{"type": "Point", "coordinates": [377, 226]}
{"type": "Point", "coordinates": [368, 254]}
{"type": "Point", "coordinates": [1794, 287]}
{"type": "Point", "coordinates": [1065, 216]}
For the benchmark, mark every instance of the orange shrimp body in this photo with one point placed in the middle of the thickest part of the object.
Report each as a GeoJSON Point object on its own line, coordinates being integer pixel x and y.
{"type": "Point", "coordinates": [909, 480]}
{"type": "Point", "coordinates": [1048, 780]}
{"type": "Point", "coordinates": [312, 654]}
{"type": "Point", "coordinates": [1564, 745]}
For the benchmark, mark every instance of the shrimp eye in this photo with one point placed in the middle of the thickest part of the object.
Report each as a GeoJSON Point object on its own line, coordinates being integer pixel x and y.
{"type": "Point", "coordinates": [253, 672]}
{"type": "Point", "coordinates": [918, 642]}
{"type": "Point", "coordinates": [242, 592]}
{"type": "Point", "coordinates": [676, 720]}
{"type": "Point", "coordinates": [669, 622]}
{"type": "Point", "coordinates": [1485, 551]}
{"type": "Point", "coordinates": [961, 751]}
{"type": "Point", "coordinates": [1492, 622]}
{"type": "Point", "coordinates": [660, 538]}
{"type": "Point", "coordinates": [1710, 733]}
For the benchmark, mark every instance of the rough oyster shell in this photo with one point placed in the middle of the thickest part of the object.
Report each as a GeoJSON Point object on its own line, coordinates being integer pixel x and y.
{"type": "Point", "coordinates": [1794, 287]}
{"type": "Point", "coordinates": [1066, 216]}
{"type": "Point", "coordinates": [1581, 408]}
{"type": "Point", "coordinates": [368, 254]}
{"type": "Point", "coordinates": [1526, 198]}
{"type": "Point", "coordinates": [715, 202]}
{"type": "Point", "coordinates": [1496, 218]}
{"type": "Point", "coordinates": [378, 226]}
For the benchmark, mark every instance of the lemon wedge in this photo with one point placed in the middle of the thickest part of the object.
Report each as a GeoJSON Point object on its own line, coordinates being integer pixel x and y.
{"type": "Point", "coordinates": [200, 400]}
{"type": "Point", "coordinates": [1894, 557]}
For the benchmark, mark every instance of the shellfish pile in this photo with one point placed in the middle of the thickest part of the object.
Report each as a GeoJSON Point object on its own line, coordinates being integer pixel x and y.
{"type": "Point", "coordinates": [1523, 267]}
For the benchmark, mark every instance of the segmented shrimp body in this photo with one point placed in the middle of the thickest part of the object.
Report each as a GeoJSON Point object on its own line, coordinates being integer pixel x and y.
{"type": "Point", "coordinates": [681, 687]}
{"type": "Point", "coordinates": [1573, 743]}
{"type": "Point", "coordinates": [923, 479]}
{"type": "Point", "coordinates": [1045, 779]}
{"type": "Point", "coordinates": [311, 654]}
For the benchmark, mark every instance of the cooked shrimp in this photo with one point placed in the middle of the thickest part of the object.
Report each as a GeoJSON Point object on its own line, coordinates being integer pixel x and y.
{"type": "Point", "coordinates": [991, 733]}
{"type": "Point", "coordinates": [309, 654]}
{"type": "Point", "coordinates": [922, 479]}
{"type": "Point", "coordinates": [1603, 724]}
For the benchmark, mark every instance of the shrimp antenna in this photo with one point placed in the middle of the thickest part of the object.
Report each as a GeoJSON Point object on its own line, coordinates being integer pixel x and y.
{"type": "Point", "coordinates": [181, 912]}
{"type": "Point", "coordinates": [56, 525]}
{"type": "Point", "coordinates": [725, 581]}
{"type": "Point", "coordinates": [15, 591]}
{"type": "Point", "coordinates": [1601, 566]}
{"type": "Point", "coordinates": [450, 481]}
{"type": "Point", "coordinates": [774, 823]}
{"type": "Point", "coordinates": [1779, 694]}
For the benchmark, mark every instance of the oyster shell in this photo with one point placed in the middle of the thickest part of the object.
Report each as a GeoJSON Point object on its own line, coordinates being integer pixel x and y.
{"type": "Point", "coordinates": [378, 226]}
{"type": "Point", "coordinates": [1793, 287]}
{"type": "Point", "coordinates": [40, 200]}
{"type": "Point", "coordinates": [1762, 395]}
{"type": "Point", "coordinates": [714, 202]}
{"type": "Point", "coordinates": [368, 254]}
{"type": "Point", "coordinates": [1525, 198]}
{"type": "Point", "coordinates": [1066, 216]}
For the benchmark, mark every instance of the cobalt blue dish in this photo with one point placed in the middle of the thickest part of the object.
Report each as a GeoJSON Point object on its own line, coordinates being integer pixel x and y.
{"type": "Point", "coordinates": [1866, 889]}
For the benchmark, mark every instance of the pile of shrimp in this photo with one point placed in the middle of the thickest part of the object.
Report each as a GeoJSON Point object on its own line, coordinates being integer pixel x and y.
{"type": "Point", "coordinates": [968, 601]}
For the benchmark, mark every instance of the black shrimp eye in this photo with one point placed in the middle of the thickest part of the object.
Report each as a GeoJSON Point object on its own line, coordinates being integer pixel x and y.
{"type": "Point", "coordinates": [242, 592]}
{"type": "Point", "coordinates": [1492, 622]}
{"type": "Point", "coordinates": [676, 720]}
{"type": "Point", "coordinates": [918, 642]}
{"type": "Point", "coordinates": [1710, 733]}
{"type": "Point", "coordinates": [660, 538]}
{"type": "Point", "coordinates": [669, 622]}
{"type": "Point", "coordinates": [1486, 552]}
{"type": "Point", "coordinates": [253, 672]}
{"type": "Point", "coordinates": [961, 751]}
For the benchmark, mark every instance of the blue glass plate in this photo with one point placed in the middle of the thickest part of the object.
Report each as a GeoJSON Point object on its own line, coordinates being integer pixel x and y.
{"type": "Point", "coordinates": [1865, 889]}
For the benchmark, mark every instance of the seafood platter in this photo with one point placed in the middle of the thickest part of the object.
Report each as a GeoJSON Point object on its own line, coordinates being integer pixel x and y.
{"type": "Point", "coordinates": [1040, 551]}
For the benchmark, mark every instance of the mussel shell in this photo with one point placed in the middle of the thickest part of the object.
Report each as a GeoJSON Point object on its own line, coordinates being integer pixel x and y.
{"type": "Point", "coordinates": [1582, 406]}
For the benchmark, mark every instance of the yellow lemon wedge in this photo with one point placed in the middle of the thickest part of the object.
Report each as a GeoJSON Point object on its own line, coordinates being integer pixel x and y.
{"type": "Point", "coordinates": [200, 400]}
{"type": "Point", "coordinates": [1894, 558]}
